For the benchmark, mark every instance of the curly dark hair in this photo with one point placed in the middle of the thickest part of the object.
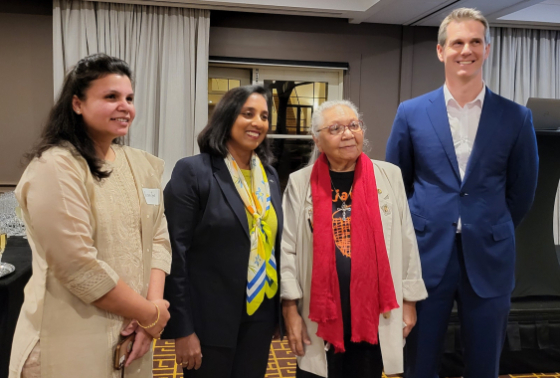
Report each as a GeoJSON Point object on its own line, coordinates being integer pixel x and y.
{"type": "Point", "coordinates": [66, 126]}
{"type": "Point", "coordinates": [214, 137]}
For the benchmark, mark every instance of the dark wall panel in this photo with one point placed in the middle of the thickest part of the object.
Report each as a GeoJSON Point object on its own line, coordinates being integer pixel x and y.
{"type": "Point", "coordinates": [427, 70]}
{"type": "Point", "coordinates": [26, 89]}
{"type": "Point", "coordinates": [42, 7]}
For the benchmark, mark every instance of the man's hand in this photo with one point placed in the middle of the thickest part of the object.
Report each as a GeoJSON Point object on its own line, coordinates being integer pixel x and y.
{"type": "Point", "coordinates": [187, 352]}
{"type": "Point", "coordinates": [276, 335]}
{"type": "Point", "coordinates": [295, 328]}
{"type": "Point", "coordinates": [409, 317]}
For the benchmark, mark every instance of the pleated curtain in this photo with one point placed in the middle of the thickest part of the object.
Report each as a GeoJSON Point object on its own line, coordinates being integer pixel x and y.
{"type": "Point", "coordinates": [167, 50]}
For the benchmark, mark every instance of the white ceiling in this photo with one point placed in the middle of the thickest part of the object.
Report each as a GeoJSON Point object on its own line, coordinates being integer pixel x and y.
{"type": "Point", "coordinates": [546, 12]}
{"type": "Point", "coordinates": [515, 13]}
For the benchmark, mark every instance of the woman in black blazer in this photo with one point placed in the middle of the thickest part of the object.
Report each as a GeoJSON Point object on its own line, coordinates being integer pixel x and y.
{"type": "Point", "coordinates": [225, 236]}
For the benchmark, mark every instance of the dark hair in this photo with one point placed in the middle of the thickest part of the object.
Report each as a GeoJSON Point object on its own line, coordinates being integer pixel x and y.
{"type": "Point", "coordinates": [64, 125]}
{"type": "Point", "coordinates": [213, 138]}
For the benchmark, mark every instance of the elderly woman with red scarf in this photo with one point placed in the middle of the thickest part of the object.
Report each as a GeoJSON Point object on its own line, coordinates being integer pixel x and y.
{"type": "Point", "coordinates": [350, 270]}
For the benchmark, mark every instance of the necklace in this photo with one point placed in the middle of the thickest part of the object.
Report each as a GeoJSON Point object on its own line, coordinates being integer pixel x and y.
{"type": "Point", "coordinates": [344, 208]}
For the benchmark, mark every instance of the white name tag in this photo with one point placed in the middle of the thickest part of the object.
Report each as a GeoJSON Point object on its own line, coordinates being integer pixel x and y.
{"type": "Point", "coordinates": [151, 196]}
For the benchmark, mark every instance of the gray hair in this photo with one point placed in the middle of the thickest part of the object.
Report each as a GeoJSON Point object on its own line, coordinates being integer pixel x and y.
{"type": "Point", "coordinates": [318, 120]}
{"type": "Point", "coordinates": [463, 14]}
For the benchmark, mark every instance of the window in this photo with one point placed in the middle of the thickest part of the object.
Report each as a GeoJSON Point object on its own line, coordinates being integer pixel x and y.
{"type": "Point", "coordinates": [294, 101]}
{"type": "Point", "coordinates": [217, 87]}
{"type": "Point", "coordinates": [221, 80]}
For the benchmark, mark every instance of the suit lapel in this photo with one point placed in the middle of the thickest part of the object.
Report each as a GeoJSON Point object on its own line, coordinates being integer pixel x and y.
{"type": "Point", "coordinates": [275, 197]}
{"type": "Point", "coordinates": [309, 195]}
{"type": "Point", "coordinates": [387, 205]}
{"type": "Point", "coordinates": [437, 111]}
{"type": "Point", "coordinates": [223, 177]}
{"type": "Point", "coordinates": [487, 126]}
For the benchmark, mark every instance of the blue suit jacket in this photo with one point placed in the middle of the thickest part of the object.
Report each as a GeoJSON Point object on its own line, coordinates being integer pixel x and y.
{"type": "Point", "coordinates": [492, 199]}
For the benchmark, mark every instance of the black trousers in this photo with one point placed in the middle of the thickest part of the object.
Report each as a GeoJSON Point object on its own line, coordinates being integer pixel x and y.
{"type": "Point", "coordinates": [361, 360]}
{"type": "Point", "coordinates": [249, 358]}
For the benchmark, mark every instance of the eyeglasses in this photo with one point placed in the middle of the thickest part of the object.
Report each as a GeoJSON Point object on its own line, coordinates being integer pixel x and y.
{"type": "Point", "coordinates": [336, 129]}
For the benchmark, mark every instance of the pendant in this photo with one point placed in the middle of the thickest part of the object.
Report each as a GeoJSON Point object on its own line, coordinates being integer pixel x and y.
{"type": "Point", "coordinates": [344, 209]}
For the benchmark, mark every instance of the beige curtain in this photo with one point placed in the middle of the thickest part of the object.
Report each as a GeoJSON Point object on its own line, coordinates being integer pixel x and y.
{"type": "Point", "coordinates": [167, 49]}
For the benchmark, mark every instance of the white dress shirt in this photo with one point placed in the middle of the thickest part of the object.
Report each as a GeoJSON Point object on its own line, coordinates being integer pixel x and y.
{"type": "Point", "coordinates": [463, 122]}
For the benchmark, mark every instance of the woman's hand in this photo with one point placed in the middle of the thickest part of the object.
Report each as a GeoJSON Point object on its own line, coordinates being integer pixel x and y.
{"type": "Point", "coordinates": [187, 352]}
{"type": "Point", "coordinates": [142, 341]}
{"type": "Point", "coordinates": [156, 330]}
{"type": "Point", "coordinates": [409, 317]}
{"type": "Point", "coordinates": [295, 328]}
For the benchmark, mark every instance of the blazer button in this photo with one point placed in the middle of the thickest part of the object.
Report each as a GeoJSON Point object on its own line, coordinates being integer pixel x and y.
{"type": "Point", "coordinates": [454, 224]}
{"type": "Point", "coordinates": [463, 194]}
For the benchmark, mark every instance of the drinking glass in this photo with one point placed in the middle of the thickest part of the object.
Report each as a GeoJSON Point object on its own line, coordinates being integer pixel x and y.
{"type": "Point", "coordinates": [5, 268]}
{"type": "Point", "coordinates": [6, 203]}
{"type": "Point", "coordinates": [3, 241]}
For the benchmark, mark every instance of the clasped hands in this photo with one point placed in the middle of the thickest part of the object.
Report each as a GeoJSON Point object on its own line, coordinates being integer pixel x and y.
{"type": "Point", "coordinates": [144, 336]}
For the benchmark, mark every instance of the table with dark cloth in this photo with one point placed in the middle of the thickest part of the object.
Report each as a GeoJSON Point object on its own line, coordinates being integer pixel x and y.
{"type": "Point", "coordinates": [17, 253]}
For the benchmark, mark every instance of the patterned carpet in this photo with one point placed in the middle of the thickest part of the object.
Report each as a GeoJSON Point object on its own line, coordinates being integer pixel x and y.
{"type": "Point", "coordinates": [281, 363]}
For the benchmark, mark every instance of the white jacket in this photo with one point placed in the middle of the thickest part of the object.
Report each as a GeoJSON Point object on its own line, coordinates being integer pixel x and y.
{"type": "Point", "coordinates": [400, 239]}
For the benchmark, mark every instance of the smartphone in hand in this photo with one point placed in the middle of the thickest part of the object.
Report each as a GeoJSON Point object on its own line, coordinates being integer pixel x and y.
{"type": "Point", "coordinates": [124, 347]}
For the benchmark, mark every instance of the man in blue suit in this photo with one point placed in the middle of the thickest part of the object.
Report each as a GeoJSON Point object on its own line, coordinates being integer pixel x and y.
{"type": "Point", "coordinates": [469, 161]}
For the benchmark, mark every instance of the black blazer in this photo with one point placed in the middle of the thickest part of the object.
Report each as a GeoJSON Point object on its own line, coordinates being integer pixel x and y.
{"type": "Point", "coordinates": [210, 242]}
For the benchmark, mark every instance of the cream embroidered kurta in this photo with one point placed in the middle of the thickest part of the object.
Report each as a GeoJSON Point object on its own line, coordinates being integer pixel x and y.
{"type": "Point", "coordinates": [400, 240]}
{"type": "Point", "coordinates": [85, 235]}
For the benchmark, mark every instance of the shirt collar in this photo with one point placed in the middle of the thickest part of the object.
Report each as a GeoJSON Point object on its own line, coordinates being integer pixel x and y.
{"type": "Point", "coordinates": [480, 97]}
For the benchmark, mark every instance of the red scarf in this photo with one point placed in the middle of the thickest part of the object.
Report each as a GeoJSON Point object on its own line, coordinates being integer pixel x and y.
{"type": "Point", "coordinates": [371, 285]}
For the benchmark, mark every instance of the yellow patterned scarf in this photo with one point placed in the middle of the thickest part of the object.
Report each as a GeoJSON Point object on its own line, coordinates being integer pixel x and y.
{"type": "Point", "coordinates": [262, 276]}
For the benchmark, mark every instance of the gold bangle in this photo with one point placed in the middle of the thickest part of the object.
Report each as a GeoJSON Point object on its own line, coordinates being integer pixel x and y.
{"type": "Point", "coordinates": [154, 323]}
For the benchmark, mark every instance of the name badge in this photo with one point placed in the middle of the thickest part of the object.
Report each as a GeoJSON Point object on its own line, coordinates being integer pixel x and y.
{"type": "Point", "coordinates": [151, 196]}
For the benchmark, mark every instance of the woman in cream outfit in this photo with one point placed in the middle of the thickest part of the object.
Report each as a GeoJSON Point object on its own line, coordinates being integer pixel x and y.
{"type": "Point", "coordinates": [297, 247]}
{"type": "Point", "coordinates": [94, 216]}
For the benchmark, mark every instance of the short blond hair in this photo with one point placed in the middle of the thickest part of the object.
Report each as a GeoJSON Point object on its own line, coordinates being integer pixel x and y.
{"type": "Point", "coordinates": [463, 14]}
